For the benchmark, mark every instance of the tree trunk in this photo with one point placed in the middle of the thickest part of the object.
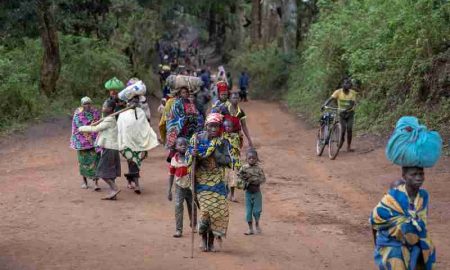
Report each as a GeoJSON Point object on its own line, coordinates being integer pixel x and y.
{"type": "Point", "coordinates": [212, 25]}
{"type": "Point", "coordinates": [51, 63]}
{"type": "Point", "coordinates": [255, 33]}
{"type": "Point", "coordinates": [271, 27]}
{"type": "Point", "coordinates": [289, 19]}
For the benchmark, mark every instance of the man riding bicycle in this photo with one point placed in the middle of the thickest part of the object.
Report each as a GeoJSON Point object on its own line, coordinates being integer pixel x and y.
{"type": "Point", "coordinates": [346, 100]}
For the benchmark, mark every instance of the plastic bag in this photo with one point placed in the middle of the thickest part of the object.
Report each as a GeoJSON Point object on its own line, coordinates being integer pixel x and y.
{"type": "Point", "coordinates": [136, 89]}
{"type": "Point", "coordinates": [114, 84]}
{"type": "Point", "coordinates": [413, 145]}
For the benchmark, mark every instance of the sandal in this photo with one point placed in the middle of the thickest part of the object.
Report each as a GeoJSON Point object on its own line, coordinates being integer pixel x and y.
{"type": "Point", "coordinates": [112, 196]}
{"type": "Point", "coordinates": [249, 232]}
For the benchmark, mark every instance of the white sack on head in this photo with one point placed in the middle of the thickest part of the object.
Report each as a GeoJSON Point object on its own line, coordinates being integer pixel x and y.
{"type": "Point", "coordinates": [136, 89]}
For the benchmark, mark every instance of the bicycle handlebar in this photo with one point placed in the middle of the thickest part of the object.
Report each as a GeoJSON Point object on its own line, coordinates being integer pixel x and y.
{"type": "Point", "coordinates": [333, 108]}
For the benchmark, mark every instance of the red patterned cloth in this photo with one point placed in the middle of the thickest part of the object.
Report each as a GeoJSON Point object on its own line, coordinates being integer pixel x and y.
{"type": "Point", "coordinates": [216, 118]}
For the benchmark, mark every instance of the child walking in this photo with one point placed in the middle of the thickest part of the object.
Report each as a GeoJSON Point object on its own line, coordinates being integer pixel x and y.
{"type": "Point", "coordinates": [109, 165]}
{"type": "Point", "coordinates": [252, 176]}
{"type": "Point", "coordinates": [234, 140]}
{"type": "Point", "coordinates": [179, 173]}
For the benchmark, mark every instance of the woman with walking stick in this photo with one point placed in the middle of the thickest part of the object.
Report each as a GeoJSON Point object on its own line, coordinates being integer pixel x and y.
{"type": "Point", "coordinates": [212, 157]}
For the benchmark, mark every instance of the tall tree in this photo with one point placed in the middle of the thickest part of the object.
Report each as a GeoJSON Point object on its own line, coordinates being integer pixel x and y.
{"type": "Point", "coordinates": [290, 21]}
{"type": "Point", "coordinates": [255, 33]}
{"type": "Point", "coordinates": [51, 62]}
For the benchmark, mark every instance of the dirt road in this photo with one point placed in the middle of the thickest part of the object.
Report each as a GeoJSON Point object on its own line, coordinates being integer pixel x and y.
{"type": "Point", "coordinates": [315, 210]}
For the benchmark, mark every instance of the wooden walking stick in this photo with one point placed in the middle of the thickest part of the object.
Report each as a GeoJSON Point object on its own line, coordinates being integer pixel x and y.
{"type": "Point", "coordinates": [194, 195]}
{"type": "Point", "coordinates": [114, 114]}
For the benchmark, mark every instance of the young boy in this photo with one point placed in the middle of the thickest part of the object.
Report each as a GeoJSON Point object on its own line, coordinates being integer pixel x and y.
{"type": "Point", "coordinates": [252, 176]}
{"type": "Point", "coordinates": [109, 165]}
{"type": "Point", "coordinates": [179, 173]}
{"type": "Point", "coordinates": [234, 140]}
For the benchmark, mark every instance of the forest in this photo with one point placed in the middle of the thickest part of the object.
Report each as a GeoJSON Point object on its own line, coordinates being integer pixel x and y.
{"type": "Point", "coordinates": [397, 53]}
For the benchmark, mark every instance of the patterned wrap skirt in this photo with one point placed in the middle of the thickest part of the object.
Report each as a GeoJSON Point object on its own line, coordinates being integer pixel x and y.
{"type": "Point", "coordinates": [88, 160]}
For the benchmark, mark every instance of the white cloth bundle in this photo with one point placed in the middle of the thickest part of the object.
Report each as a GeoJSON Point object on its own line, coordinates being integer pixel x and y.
{"type": "Point", "coordinates": [136, 89]}
{"type": "Point", "coordinates": [136, 134]}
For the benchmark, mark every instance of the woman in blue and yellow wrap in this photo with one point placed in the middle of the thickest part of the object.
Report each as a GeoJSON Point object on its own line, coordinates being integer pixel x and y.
{"type": "Point", "coordinates": [212, 153]}
{"type": "Point", "coordinates": [399, 221]}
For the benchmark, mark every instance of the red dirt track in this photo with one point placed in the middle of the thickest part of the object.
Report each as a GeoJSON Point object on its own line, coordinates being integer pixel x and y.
{"type": "Point", "coordinates": [315, 212]}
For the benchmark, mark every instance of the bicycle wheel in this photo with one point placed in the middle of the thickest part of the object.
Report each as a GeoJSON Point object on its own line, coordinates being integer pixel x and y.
{"type": "Point", "coordinates": [321, 140]}
{"type": "Point", "coordinates": [334, 142]}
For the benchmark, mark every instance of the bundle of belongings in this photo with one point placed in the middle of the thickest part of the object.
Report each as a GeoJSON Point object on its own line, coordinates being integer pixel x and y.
{"type": "Point", "coordinates": [114, 84]}
{"type": "Point", "coordinates": [413, 145]}
{"type": "Point", "coordinates": [180, 81]}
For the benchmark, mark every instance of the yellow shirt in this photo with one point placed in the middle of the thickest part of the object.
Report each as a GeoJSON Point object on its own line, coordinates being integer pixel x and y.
{"type": "Point", "coordinates": [344, 100]}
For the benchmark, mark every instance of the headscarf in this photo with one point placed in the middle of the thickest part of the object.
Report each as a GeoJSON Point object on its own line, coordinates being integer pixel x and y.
{"type": "Point", "coordinates": [222, 87]}
{"type": "Point", "coordinates": [214, 118]}
{"type": "Point", "coordinates": [86, 100]}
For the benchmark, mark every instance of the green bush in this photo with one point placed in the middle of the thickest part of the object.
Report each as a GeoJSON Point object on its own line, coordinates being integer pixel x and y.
{"type": "Point", "coordinates": [86, 65]}
{"type": "Point", "coordinates": [268, 69]}
{"type": "Point", "coordinates": [19, 79]}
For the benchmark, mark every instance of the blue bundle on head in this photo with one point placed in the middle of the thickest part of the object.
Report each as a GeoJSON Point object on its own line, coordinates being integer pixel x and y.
{"type": "Point", "coordinates": [413, 145]}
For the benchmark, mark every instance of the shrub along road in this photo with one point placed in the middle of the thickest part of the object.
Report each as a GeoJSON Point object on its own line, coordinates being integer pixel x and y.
{"type": "Point", "coordinates": [315, 213]}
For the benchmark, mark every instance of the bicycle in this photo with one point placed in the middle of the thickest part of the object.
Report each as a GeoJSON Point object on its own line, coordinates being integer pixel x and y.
{"type": "Point", "coordinates": [329, 133]}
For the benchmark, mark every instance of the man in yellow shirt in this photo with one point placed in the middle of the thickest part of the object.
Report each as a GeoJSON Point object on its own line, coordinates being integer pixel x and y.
{"type": "Point", "coordinates": [346, 100]}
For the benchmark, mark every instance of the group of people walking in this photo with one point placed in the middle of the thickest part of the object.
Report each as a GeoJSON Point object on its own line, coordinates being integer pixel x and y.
{"type": "Point", "coordinates": [207, 143]}
{"type": "Point", "coordinates": [203, 130]}
{"type": "Point", "coordinates": [203, 152]}
{"type": "Point", "coordinates": [124, 129]}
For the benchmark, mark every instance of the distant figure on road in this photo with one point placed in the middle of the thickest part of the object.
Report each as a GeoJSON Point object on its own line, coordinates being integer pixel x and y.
{"type": "Point", "coordinates": [244, 82]}
{"type": "Point", "coordinates": [230, 81]}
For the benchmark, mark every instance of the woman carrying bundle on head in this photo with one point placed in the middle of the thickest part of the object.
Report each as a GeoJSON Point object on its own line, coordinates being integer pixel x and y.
{"type": "Point", "coordinates": [114, 86]}
{"type": "Point", "coordinates": [212, 154]}
{"type": "Point", "coordinates": [88, 155]}
{"type": "Point", "coordinates": [136, 136]}
{"type": "Point", "coordinates": [400, 220]}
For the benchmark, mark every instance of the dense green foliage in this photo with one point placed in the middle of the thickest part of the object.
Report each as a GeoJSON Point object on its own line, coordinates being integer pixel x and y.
{"type": "Point", "coordinates": [87, 64]}
{"type": "Point", "coordinates": [396, 52]}
{"type": "Point", "coordinates": [388, 47]}
{"type": "Point", "coordinates": [97, 40]}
